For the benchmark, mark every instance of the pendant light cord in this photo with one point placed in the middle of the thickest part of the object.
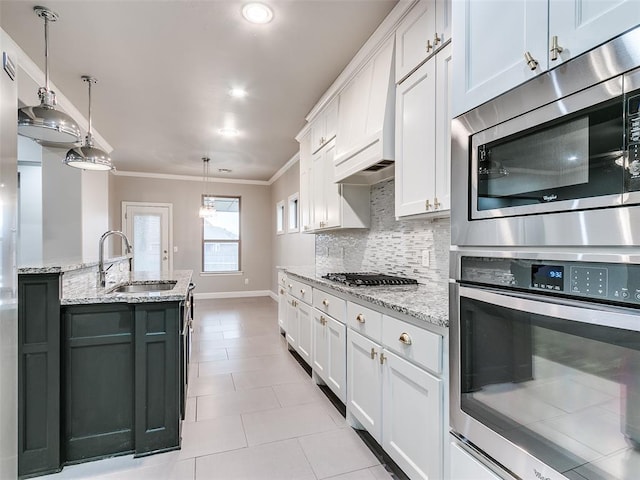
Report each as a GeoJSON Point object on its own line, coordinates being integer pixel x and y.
{"type": "Point", "coordinates": [46, 52]}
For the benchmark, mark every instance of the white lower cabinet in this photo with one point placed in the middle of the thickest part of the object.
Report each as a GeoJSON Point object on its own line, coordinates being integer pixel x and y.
{"type": "Point", "coordinates": [464, 466]}
{"type": "Point", "coordinates": [303, 346]}
{"type": "Point", "coordinates": [282, 309]}
{"type": "Point", "coordinates": [330, 352]}
{"type": "Point", "coordinates": [412, 427]}
{"type": "Point", "coordinates": [364, 383]}
{"type": "Point", "coordinates": [399, 403]}
{"type": "Point", "coordinates": [292, 321]}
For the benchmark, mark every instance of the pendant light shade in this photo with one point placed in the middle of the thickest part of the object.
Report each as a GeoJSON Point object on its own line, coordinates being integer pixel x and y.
{"type": "Point", "coordinates": [44, 123]}
{"type": "Point", "coordinates": [207, 209]}
{"type": "Point", "coordinates": [87, 156]}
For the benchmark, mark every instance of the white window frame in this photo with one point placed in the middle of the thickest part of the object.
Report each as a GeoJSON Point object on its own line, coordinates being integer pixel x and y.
{"type": "Point", "coordinates": [293, 214]}
{"type": "Point", "coordinates": [280, 217]}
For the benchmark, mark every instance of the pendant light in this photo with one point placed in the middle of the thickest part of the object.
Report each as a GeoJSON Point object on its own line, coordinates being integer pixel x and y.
{"type": "Point", "coordinates": [87, 156]}
{"type": "Point", "coordinates": [208, 208]}
{"type": "Point", "coordinates": [44, 123]}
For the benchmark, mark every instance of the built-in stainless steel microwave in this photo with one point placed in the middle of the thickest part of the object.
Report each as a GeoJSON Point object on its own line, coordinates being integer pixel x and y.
{"type": "Point", "coordinates": [555, 161]}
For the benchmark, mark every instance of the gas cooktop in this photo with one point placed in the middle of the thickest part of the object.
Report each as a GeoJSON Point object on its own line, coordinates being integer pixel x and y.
{"type": "Point", "coordinates": [368, 279]}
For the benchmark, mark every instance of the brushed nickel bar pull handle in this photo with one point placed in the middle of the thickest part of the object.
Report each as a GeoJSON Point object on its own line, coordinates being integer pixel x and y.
{"type": "Point", "coordinates": [556, 49]}
{"type": "Point", "coordinates": [427, 205]}
{"type": "Point", "coordinates": [325, 302]}
{"type": "Point", "coordinates": [302, 291]}
{"type": "Point", "coordinates": [531, 62]}
{"type": "Point", "coordinates": [436, 203]}
{"type": "Point", "coordinates": [382, 358]}
{"type": "Point", "coordinates": [281, 291]}
{"type": "Point", "coordinates": [405, 338]}
{"type": "Point", "coordinates": [436, 40]}
{"type": "Point", "coordinates": [360, 318]}
{"type": "Point", "coordinates": [429, 46]}
{"type": "Point", "coordinates": [373, 353]}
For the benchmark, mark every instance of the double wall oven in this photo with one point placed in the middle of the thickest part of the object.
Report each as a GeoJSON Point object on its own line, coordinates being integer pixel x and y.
{"type": "Point", "coordinates": [545, 273]}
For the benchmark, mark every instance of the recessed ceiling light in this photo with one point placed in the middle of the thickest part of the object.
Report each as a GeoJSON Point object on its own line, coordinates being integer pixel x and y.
{"type": "Point", "coordinates": [228, 132]}
{"type": "Point", "coordinates": [238, 93]}
{"type": "Point", "coordinates": [257, 13]}
{"type": "Point", "coordinates": [224, 170]}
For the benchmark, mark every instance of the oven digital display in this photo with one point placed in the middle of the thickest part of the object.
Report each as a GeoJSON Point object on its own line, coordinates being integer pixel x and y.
{"type": "Point", "coordinates": [549, 277]}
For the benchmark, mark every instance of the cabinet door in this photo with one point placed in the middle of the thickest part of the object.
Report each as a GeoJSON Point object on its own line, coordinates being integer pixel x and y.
{"type": "Point", "coordinates": [415, 141]}
{"type": "Point", "coordinates": [157, 425]}
{"type": "Point", "coordinates": [581, 25]}
{"type": "Point", "coordinates": [282, 309]}
{"type": "Point", "coordinates": [491, 39]}
{"type": "Point", "coordinates": [306, 196]}
{"type": "Point", "coordinates": [364, 377]}
{"type": "Point", "coordinates": [336, 334]}
{"type": "Point", "coordinates": [332, 191]}
{"type": "Point", "coordinates": [415, 37]}
{"type": "Point", "coordinates": [413, 424]}
{"type": "Point", "coordinates": [99, 381]}
{"type": "Point", "coordinates": [318, 133]}
{"type": "Point", "coordinates": [331, 120]}
{"type": "Point", "coordinates": [464, 466]}
{"type": "Point", "coordinates": [320, 363]}
{"type": "Point", "coordinates": [318, 176]}
{"type": "Point", "coordinates": [305, 332]}
{"type": "Point", "coordinates": [292, 321]}
{"type": "Point", "coordinates": [38, 374]}
{"type": "Point", "coordinates": [442, 177]}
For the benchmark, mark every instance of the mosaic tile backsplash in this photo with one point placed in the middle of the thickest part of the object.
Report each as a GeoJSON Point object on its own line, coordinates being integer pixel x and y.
{"type": "Point", "coordinates": [390, 246]}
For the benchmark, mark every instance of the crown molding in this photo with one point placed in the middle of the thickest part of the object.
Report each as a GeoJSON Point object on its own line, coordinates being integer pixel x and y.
{"type": "Point", "coordinates": [284, 168]}
{"type": "Point", "coordinates": [188, 178]}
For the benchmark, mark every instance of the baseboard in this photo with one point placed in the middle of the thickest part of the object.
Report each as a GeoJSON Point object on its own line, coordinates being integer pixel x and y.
{"type": "Point", "coordinates": [273, 295]}
{"type": "Point", "coordinates": [248, 293]}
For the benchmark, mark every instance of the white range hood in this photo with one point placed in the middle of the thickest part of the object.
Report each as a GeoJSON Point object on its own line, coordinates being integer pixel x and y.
{"type": "Point", "coordinates": [365, 146]}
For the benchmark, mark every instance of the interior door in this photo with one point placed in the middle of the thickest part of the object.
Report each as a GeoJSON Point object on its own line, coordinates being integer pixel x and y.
{"type": "Point", "coordinates": [148, 227]}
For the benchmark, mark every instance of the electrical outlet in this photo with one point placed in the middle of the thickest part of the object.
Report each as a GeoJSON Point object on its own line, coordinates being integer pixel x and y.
{"type": "Point", "coordinates": [425, 258]}
{"type": "Point", "coordinates": [246, 281]}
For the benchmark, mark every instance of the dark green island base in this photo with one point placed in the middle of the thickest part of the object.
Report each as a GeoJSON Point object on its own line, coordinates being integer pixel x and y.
{"type": "Point", "coordinates": [97, 380]}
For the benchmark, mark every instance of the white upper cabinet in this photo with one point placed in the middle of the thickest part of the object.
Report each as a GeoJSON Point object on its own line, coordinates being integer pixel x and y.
{"type": "Point", "coordinates": [500, 44]}
{"type": "Point", "coordinates": [580, 25]}
{"type": "Point", "coordinates": [335, 205]}
{"type": "Point", "coordinates": [306, 196]}
{"type": "Point", "coordinates": [491, 40]}
{"type": "Point", "coordinates": [364, 136]}
{"type": "Point", "coordinates": [323, 127]}
{"type": "Point", "coordinates": [423, 128]}
{"type": "Point", "coordinates": [425, 29]}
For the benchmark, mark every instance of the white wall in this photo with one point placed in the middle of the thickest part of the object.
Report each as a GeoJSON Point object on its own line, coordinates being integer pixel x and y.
{"type": "Point", "coordinates": [29, 202]}
{"type": "Point", "coordinates": [61, 208]}
{"type": "Point", "coordinates": [289, 249]}
{"type": "Point", "coordinates": [95, 211]}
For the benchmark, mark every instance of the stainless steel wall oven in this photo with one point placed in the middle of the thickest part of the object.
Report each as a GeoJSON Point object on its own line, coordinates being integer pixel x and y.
{"type": "Point", "coordinates": [545, 362]}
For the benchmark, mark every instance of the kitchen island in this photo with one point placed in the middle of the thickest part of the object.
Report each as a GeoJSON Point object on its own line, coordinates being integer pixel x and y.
{"type": "Point", "coordinates": [101, 372]}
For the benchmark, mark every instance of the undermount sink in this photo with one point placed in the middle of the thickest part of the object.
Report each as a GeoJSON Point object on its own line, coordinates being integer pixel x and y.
{"type": "Point", "coordinates": [144, 287]}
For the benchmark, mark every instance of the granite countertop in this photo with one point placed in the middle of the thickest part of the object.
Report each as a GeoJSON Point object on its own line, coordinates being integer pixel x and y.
{"type": "Point", "coordinates": [65, 265]}
{"type": "Point", "coordinates": [425, 303]}
{"type": "Point", "coordinates": [87, 292]}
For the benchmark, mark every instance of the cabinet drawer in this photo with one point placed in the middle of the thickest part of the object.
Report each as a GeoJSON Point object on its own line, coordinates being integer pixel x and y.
{"type": "Point", "coordinates": [300, 290]}
{"type": "Point", "coordinates": [330, 304]}
{"type": "Point", "coordinates": [365, 321]}
{"type": "Point", "coordinates": [413, 343]}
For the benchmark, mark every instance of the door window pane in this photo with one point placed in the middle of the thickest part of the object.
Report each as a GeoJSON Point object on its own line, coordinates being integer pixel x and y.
{"type": "Point", "coordinates": [147, 241]}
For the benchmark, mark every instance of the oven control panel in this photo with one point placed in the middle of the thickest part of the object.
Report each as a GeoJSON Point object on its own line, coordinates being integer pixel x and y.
{"type": "Point", "coordinates": [614, 282]}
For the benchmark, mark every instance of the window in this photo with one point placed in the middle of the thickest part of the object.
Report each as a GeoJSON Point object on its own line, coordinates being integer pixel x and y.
{"type": "Point", "coordinates": [294, 216]}
{"type": "Point", "coordinates": [280, 217]}
{"type": "Point", "coordinates": [221, 235]}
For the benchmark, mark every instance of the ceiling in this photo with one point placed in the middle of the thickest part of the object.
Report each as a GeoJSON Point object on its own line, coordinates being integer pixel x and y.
{"type": "Point", "coordinates": [164, 69]}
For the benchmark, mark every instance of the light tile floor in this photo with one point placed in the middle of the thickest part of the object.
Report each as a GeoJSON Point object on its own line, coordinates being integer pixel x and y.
{"type": "Point", "coordinates": [252, 412]}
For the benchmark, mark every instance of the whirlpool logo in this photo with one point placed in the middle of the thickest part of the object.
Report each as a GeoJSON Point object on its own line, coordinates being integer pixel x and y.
{"type": "Point", "coordinates": [550, 198]}
{"type": "Point", "coordinates": [540, 476]}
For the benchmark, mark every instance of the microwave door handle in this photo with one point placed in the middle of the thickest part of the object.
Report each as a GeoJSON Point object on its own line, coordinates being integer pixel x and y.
{"type": "Point", "coordinates": [575, 310]}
